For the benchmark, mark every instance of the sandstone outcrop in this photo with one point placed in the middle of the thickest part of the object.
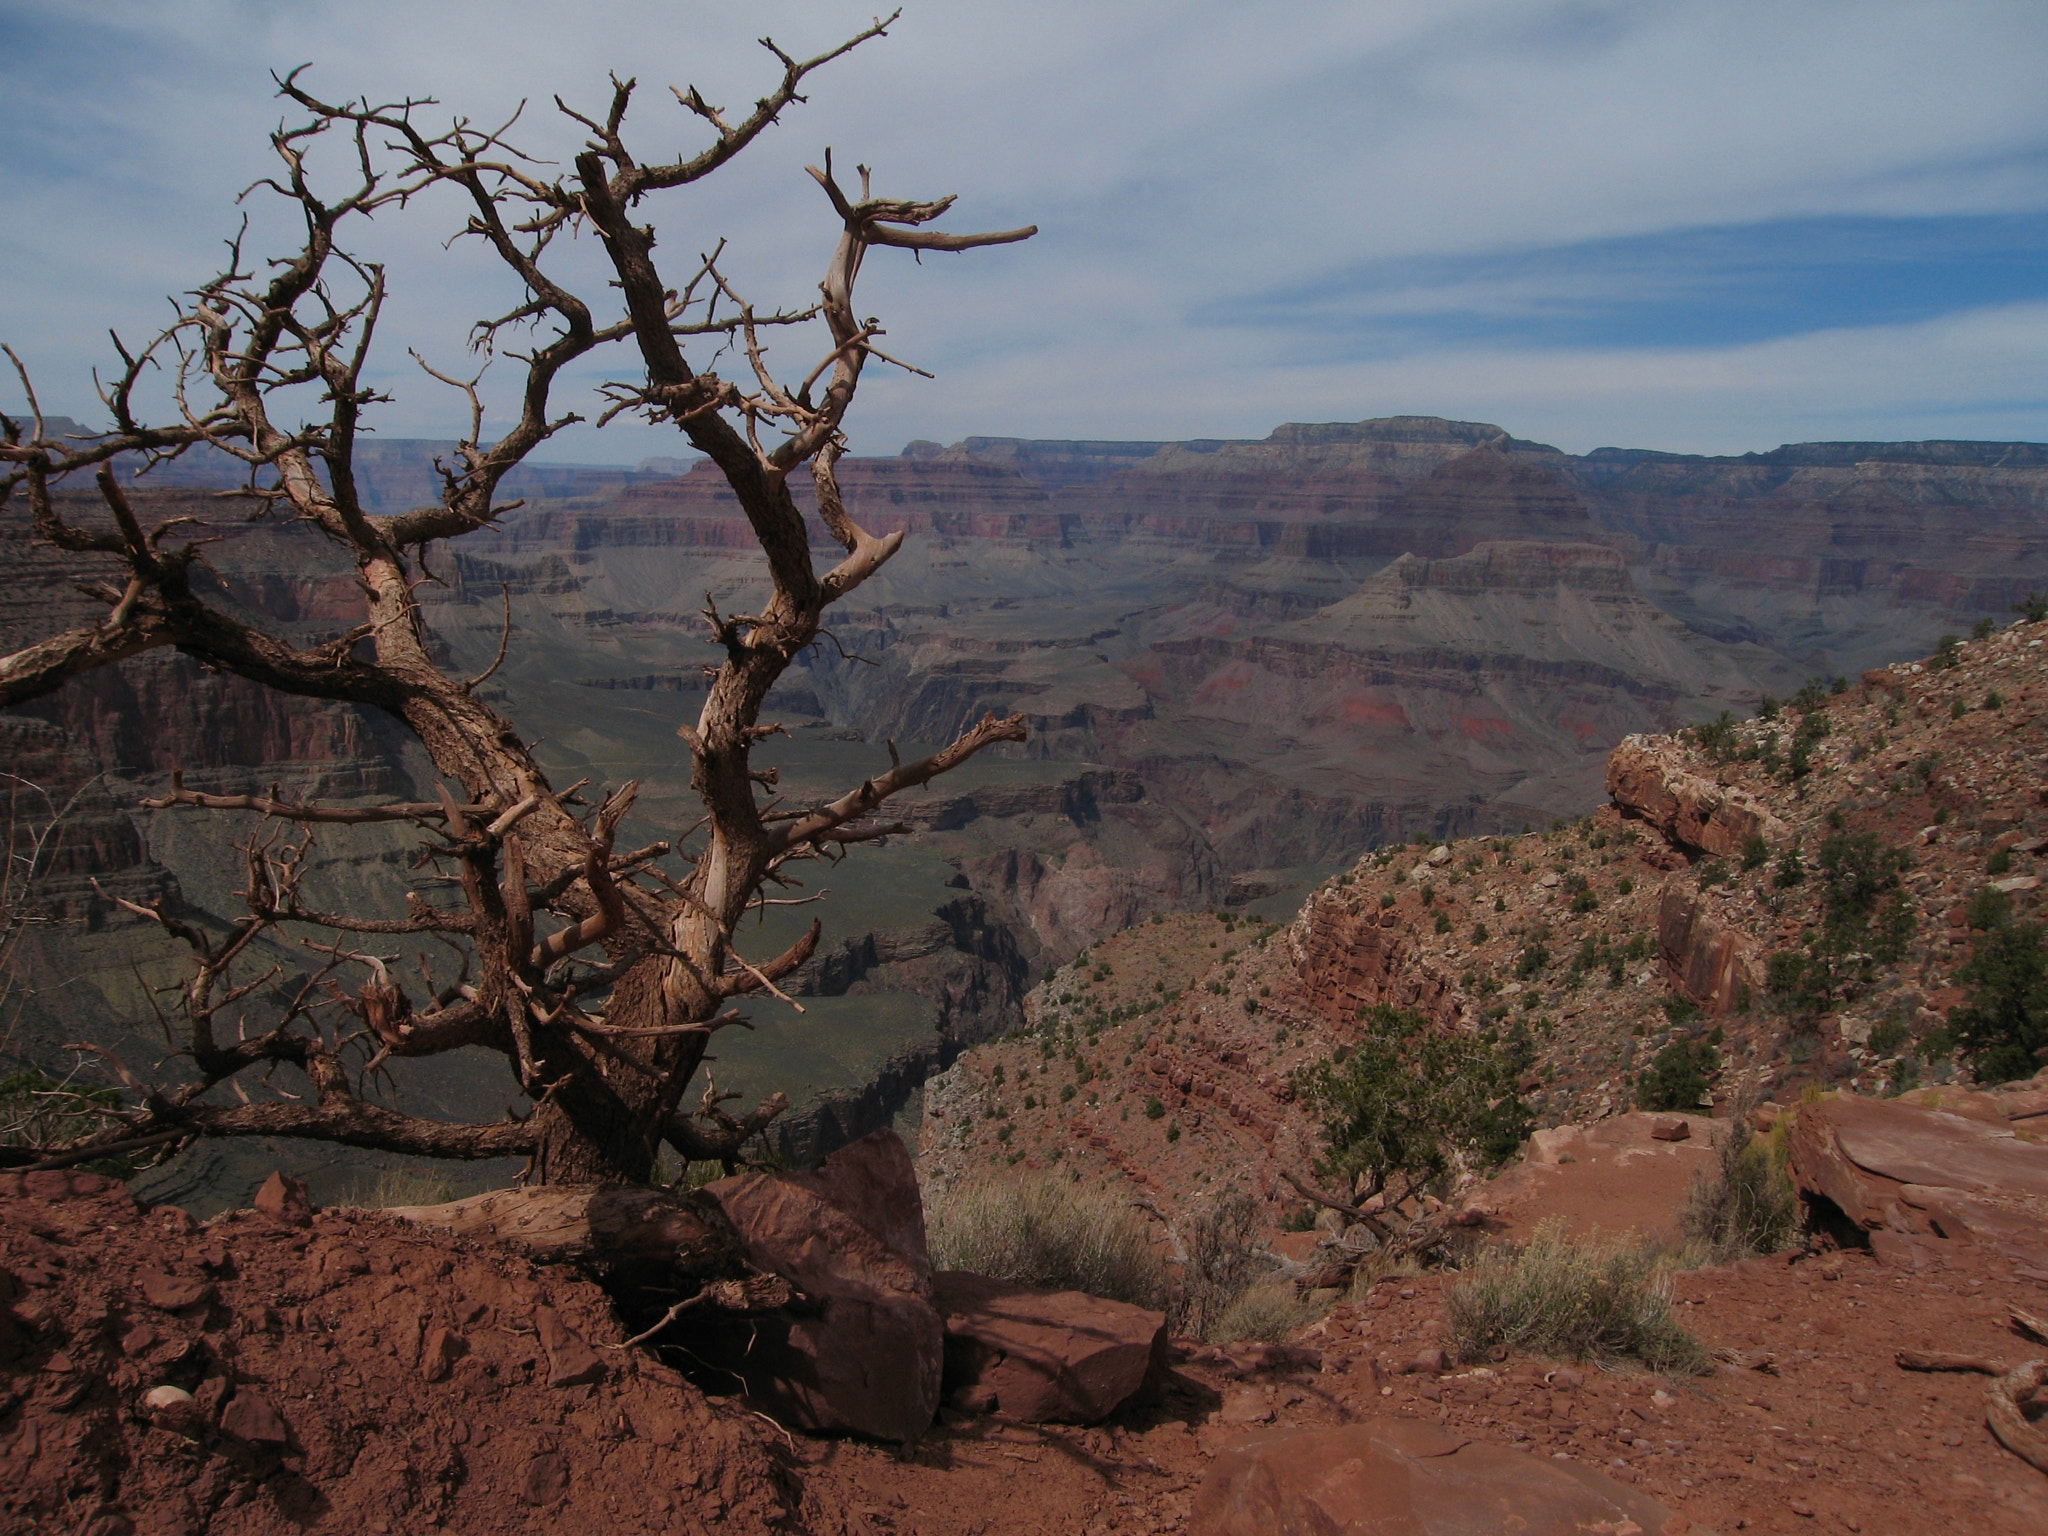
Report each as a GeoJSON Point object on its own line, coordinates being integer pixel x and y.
{"type": "Point", "coordinates": [1409, 1477]}
{"type": "Point", "coordinates": [1709, 959]}
{"type": "Point", "coordinates": [1885, 1169]}
{"type": "Point", "coordinates": [862, 1352]}
{"type": "Point", "coordinates": [1043, 1356]}
{"type": "Point", "coordinates": [1647, 781]}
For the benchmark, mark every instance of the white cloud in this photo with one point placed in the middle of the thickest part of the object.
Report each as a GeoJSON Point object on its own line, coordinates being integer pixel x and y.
{"type": "Point", "coordinates": [1176, 156]}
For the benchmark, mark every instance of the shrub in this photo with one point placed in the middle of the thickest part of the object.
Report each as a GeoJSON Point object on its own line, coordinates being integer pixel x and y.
{"type": "Point", "coordinates": [1744, 1204]}
{"type": "Point", "coordinates": [1678, 1077]}
{"type": "Point", "coordinates": [1945, 657]}
{"type": "Point", "coordinates": [1585, 902]}
{"type": "Point", "coordinates": [1530, 962]}
{"type": "Point", "coordinates": [1046, 1232]}
{"type": "Point", "coordinates": [1154, 1110]}
{"type": "Point", "coordinates": [2004, 1021]}
{"type": "Point", "coordinates": [1888, 1036]}
{"type": "Point", "coordinates": [1226, 1255]}
{"type": "Point", "coordinates": [37, 1110]}
{"type": "Point", "coordinates": [1755, 852]}
{"type": "Point", "coordinates": [1443, 922]}
{"type": "Point", "coordinates": [1599, 1300]}
{"type": "Point", "coordinates": [1407, 1101]}
{"type": "Point", "coordinates": [2033, 608]}
{"type": "Point", "coordinates": [1981, 630]}
{"type": "Point", "coordinates": [1999, 863]}
{"type": "Point", "coordinates": [1267, 1313]}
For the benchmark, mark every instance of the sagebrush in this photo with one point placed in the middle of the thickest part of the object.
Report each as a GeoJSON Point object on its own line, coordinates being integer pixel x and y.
{"type": "Point", "coordinates": [1744, 1204]}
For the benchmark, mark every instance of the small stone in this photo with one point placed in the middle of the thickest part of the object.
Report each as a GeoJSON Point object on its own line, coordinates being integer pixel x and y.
{"type": "Point", "coordinates": [174, 1409]}
{"type": "Point", "coordinates": [440, 1352]}
{"type": "Point", "coordinates": [168, 1293]}
{"type": "Point", "coordinates": [1859, 1393]}
{"type": "Point", "coordinates": [1431, 1362]}
{"type": "Point", "coordinates": [286, 1200]}
{"type": "Point", "coordinates": [1670, 1128]}
{"type": "Point", "coordinates": [137, 1340]}
{"type": "Point", "coordinates": [1245, 1407]}
{"type": "Point", "coordinates": [1567, 1379]}
{"type": "Point", "coordinates": [571, 1362]}
{"type": "Point", "coordinates": [546, 1479]}
{"type": "Point", "coordinates": [253, 1419]}
{"type": "Point", "coordinates": [1801, 1508]}
{"type": "Point", "coordinates": [1662, 1401]}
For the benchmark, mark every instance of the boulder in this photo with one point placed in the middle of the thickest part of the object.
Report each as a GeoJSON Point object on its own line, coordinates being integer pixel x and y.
{"type": "Point", "coordinates": [1885, 1164]}
{"type": "Point", "coordinates": [1043, 1356]}
{"type": "Point", "coordinates": [1691, 812]}
{"type": "Point", "coordinates": [1406, 1477]}
{"type": "Point", "coordinates": [863, 1350]}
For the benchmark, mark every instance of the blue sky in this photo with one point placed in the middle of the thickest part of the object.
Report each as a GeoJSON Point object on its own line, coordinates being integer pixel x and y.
{"type": "Point", "coordinates": [1709, 226]}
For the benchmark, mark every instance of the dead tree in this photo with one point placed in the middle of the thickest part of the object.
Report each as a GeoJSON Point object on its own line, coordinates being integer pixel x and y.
{"type": "Point", "coordinates": [599, 976]}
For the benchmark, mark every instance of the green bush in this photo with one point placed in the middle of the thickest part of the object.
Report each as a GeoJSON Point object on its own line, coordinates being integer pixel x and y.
{"type": "Point", "coordinates": [1049, 1233]}
{"type": "Point", "coordinates": [1531, 961]}
{"type": "Point", "coordinates": [1603, 1301]}
{"type": "Point", "coordinates": [1407, 1100]}
{"type": "Point", "coordinates": [1154, 1110]}
{"type": "Point", "coordinates": [1755, 852]}
{"type": "Point", "coordinates": [1745, 1204]}
{"type": "Point", "coordinates": [1678, 1077]}
{"type": "Point", "coordinates": [2003, 1023]}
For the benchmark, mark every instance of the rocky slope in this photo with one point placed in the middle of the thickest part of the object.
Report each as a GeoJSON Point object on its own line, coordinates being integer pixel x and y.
{"type": "Point", "coordinates": [1163, 1057]}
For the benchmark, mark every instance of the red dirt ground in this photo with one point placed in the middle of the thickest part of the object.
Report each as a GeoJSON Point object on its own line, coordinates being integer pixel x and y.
{"type": "Point", "coordinates": [328, 1324]}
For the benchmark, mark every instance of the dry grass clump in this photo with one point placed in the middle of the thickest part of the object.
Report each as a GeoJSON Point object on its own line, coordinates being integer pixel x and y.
{"type": "Point", "coordinates": [398, 1187]}
{"type": "Point", "coordinates": [1267, 1313]}
{"type": "Point", "coordinates": [1745, 1204]}
{"type": "Point", "coordinates": [1046, 1232]}
{"type": "Point", "coordinates": [1603, 1300]}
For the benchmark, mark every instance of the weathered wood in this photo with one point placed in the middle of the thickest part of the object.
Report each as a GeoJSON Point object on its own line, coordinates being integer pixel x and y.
{"type": "Point", "coordinates": [2008, 1420]}
{"type": "Point", "coordinates": [685, 1234]}
{"type": "Point", "coordinates": [1942, 1360]}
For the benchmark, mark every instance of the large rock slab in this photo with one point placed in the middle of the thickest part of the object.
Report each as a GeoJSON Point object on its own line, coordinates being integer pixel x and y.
{"type": "Point", "coordinates": [1887, 1165]}
{"type": "Point", "coordinates": [1407, 1477]}
{"type": "Point", "coordinates": [1646, 780]}
{"type": "Point", "coordinates": [1043, 1356]}
{"type": "Point", "coordinates": [1708, 959]}
{"type": "Point", "coordinates": [862, 1352]}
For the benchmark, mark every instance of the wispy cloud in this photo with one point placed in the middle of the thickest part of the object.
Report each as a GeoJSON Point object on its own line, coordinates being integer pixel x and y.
{"type": "Point", "coordinates": [1720, 225]}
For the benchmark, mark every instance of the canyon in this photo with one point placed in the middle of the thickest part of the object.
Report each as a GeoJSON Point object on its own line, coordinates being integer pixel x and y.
{"type": "Point", "coordinates": [1242, 663]}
